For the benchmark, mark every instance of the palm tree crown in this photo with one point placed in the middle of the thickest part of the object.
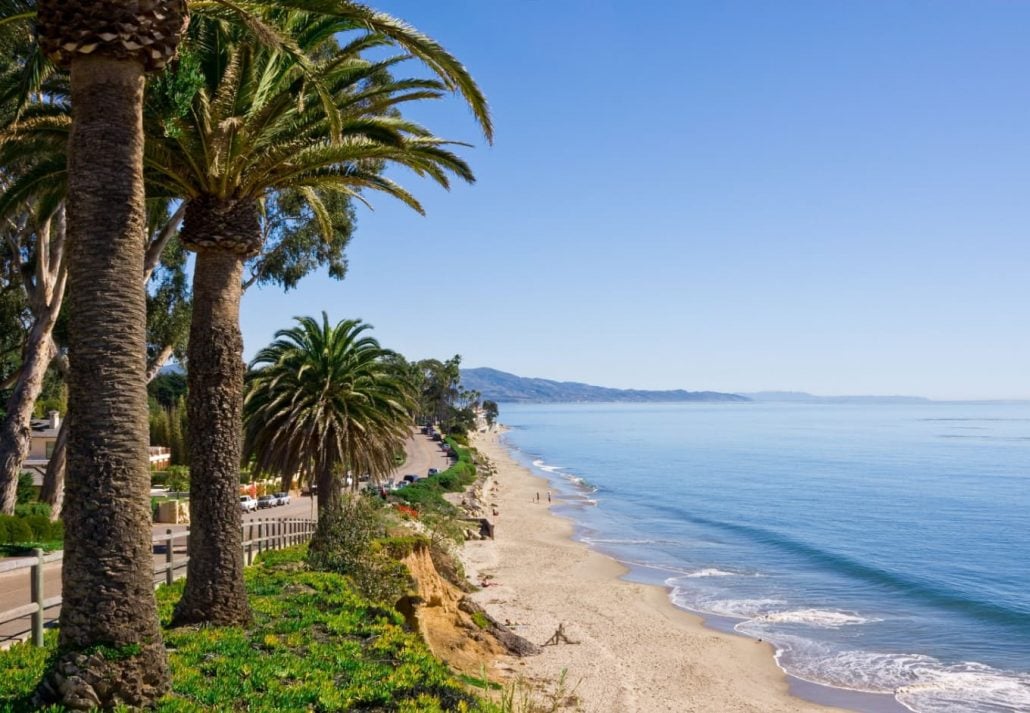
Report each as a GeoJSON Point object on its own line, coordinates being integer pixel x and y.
{"type": "Point", "coordinates": [325, 398]}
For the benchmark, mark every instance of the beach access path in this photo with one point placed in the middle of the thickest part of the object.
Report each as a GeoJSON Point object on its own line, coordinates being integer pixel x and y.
{"type": "Point", "coordinates": [634, 652]}
{"type": "Point", "coordinates": [422, 453]}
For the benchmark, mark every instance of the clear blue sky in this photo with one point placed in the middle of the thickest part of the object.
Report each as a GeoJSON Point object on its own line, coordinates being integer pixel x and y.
{"type": "Point", "coordinates": [829, 195]}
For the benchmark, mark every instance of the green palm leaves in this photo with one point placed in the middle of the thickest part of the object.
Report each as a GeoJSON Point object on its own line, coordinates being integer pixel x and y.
{"type": "Point", "coordinates": [325, 399]}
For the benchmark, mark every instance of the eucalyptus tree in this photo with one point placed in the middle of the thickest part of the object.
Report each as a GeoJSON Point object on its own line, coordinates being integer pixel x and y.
{"type": "Point", "coordinates": [36, 251]}
{"type": "Point", "coordinates": [323, 399]}
{"type": "Point", "coordinates": [107, 582]}
{"type": "Point", "coordinates": [307, 129]}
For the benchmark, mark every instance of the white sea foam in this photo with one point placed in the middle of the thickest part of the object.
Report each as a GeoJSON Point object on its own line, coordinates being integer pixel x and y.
{"type": "Point", "coordinates": [967, 687]}
{"type": "Point", "coordinates": [542, 465]}
{"type": "Point", "coordinates": [616, 541]}
{"type": "Point", "coordinates": [711, 572]}
{"type": "Point", "coordinates": [735, 608]}
{"type": "Point", "coordinates": [921, 683]}
{"type": "Point", "coordinates": [819, 618]}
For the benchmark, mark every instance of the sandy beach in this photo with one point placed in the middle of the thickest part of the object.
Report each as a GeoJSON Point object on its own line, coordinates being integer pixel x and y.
{"type": "Point", "coordinates": [635, 651]}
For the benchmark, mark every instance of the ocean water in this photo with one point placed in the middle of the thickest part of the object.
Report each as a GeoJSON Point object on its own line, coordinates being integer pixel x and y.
{"type": "Point", "coordinates": [880, 548]}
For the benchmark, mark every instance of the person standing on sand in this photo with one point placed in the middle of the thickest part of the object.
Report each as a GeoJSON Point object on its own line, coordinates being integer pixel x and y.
{"type": "Point", "coordinates": [548, 496]}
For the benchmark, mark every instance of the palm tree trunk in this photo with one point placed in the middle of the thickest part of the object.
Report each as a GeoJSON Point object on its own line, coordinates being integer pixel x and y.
{"type": "Point", "coordinates": [215, 590]}
{"type": "Point", "coordinates": [16, 427]}
{"type": "Point", "coordinates": [110, 649]}
{"type": "Point", "coordinates": [330, 493]}
{"type": "Point", "coordinates": [330, 501]}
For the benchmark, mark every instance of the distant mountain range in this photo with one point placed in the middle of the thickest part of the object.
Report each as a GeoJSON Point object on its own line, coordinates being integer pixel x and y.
{"type": "Point", "coordinates": [502, 387]}
{"type": "Point", "coordinates": [802, 397]}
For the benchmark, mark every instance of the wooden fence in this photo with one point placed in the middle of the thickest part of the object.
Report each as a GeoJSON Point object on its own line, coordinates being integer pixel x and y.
{"type": "Point", "coordinates": [259, 535]}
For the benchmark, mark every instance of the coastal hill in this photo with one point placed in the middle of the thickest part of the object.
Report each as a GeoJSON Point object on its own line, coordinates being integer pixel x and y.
{"type": "Point", "coordinates": [802, 397]}
{"type": "Point", "coordinates": [508, 388]}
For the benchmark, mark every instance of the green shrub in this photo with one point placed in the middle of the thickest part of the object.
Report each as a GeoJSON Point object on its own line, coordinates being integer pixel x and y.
{"type": "Point", "coordinates": [40, 527]}
{"type": "Point", "coordinates": [380, 577]}
{"type": "Point", "coordinates": [18, 531]}
{"type": "Point", "coordinates": [57, 531]}
{"type": "Point", "coordinates": [346, 543]}
{"type": "Point", "coordinates": [177, 478]}
{"type": "Point", "coordinates": [3, 529]}
{"type": "Point", "coordinates": [401, 547]}
{"type": "Point", "coordinates": [36, 508]}
{"type": "Point", "coordinates": [26, 490]}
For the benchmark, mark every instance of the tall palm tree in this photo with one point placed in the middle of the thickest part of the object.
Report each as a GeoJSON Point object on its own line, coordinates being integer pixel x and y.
{"type": "Point", "coordinates": [278, 107]}
{"type": "Point", "coordinates": [260, 125]}
{"type": "Point", "coordinates": [324, 399]}
{"type": "Point", "coordinates": [107, 580]}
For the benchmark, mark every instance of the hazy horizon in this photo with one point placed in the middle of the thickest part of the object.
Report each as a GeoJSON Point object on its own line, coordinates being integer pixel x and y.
{"type": "Point", "coordinates": [736, 196]}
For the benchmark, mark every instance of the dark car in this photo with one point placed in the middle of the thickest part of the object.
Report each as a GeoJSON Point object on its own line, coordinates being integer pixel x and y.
{"type": "Point", "coordinates": [267, 501]}
{"type": "Point", "coordinates": [433, 471]}
{"type": "Point", "coordinates": [410, 478]}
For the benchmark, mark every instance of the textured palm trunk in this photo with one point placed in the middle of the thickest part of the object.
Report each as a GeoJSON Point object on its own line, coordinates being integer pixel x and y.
{"type": "Point", "coordinates": [16, 428]}
{"type": "Point", "coordinates": [330, 493]}
{"type": "Point", "coordinates": [110, 648]}
{"type": "Point", "coordinates": [214, 591]}
{"type": "Point", "coordinates": [52, 492]}
{"type": "Point", "coordinates": [330, 500]}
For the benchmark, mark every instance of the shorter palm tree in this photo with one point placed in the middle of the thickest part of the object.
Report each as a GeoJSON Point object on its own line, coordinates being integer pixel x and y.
{"type": "Point", "coordinates": [322, 400]}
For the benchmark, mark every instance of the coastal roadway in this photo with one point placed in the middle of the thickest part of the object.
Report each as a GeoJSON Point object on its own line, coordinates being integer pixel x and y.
{"type": "Point", "coordinates": [422, 453]}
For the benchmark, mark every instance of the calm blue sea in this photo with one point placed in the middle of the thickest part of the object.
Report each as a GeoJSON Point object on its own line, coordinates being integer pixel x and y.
{"type": "Point", "coordinates": [881, 548]}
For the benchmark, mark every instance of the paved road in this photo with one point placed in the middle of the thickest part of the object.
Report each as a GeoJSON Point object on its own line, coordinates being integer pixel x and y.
{"type": "Point", "coordinates": [422, 454]}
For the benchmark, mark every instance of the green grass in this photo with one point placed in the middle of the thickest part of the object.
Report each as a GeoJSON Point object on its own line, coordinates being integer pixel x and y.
{"type": "Point", "coordinates": [314, 645]}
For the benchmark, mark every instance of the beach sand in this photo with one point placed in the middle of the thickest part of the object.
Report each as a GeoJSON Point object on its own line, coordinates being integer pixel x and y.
{"type": "Point", "coordinates": [635, 650]}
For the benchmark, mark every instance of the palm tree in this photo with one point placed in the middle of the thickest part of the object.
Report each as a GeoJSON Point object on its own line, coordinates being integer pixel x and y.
{"type": "Point", "coordinates": [260, 125]}
{"type": "Point", "coordinates": [324, 399]}
{"type": "Point", "coordinates": [107, 576]}
{"type": "Point", "coordinates": [278, 108]}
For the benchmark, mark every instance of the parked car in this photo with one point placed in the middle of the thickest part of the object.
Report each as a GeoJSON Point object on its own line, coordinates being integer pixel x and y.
{"type": "Point", "coordinates": [267, 501]}
{"type": "Point", "coordinates": [248, 504]}
{"type": "Point", "coordinates": [433, 471]}
{"type": "Point", "coordinates": [410, 477]}
{"type": "Point", "coordinates": [284, 498]}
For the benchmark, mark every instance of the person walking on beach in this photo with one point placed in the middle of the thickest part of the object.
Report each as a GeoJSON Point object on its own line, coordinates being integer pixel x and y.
{"type": "Point", "coordinates": [548, 496]}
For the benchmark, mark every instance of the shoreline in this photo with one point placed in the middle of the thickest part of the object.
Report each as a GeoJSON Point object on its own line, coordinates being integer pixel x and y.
{"type": "Point", "coordinates": [635, 650]}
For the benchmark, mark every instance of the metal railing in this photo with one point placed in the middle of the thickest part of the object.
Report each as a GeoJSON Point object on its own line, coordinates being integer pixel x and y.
{"type": "Point", "coordinates": [259, 535]}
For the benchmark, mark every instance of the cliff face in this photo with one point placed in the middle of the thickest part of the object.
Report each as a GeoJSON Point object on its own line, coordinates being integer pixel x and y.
{"type": "Point", "coordinates": [456, 629]}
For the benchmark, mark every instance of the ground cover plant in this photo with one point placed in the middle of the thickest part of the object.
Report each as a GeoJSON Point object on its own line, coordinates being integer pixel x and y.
{"type": "Point", "coordinates": [315, 644]}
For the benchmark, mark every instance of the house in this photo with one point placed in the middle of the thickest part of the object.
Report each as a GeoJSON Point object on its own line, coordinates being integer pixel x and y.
{"type": "Point", "coordinates": [44, 440]}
